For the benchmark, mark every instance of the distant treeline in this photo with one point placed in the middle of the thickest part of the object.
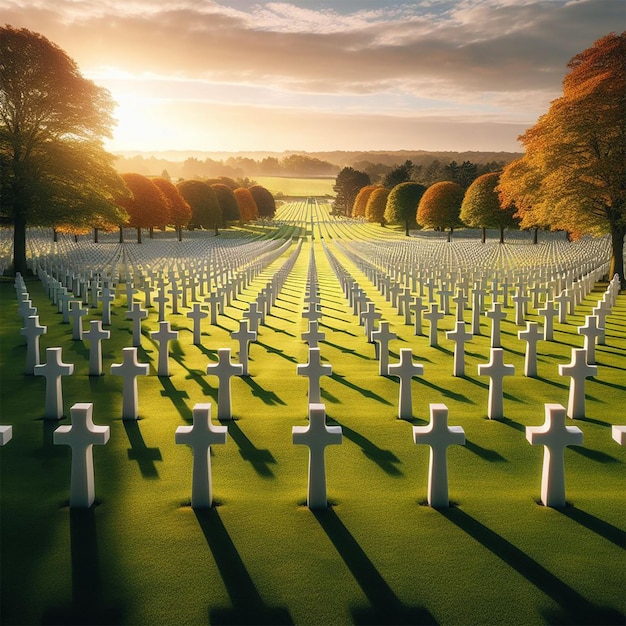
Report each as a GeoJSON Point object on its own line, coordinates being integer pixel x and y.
{"type": "Point", "coordinates": [377, 164]}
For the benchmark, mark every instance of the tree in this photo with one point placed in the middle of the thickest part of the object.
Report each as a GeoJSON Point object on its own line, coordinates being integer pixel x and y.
{"type": "Point", "coordinates": [347, 185]}
{"type": "Point", "coordinates": [572, 175]}
{"type": "Point", "coordinates": [399, 174]}
{"type": "Point", "coordinates": [247, 206]}
{"type": "Point", "coordinates": [440, 205]}
{"type": "Point", "coordinates": [179, 209]}
{"type": "Point", "coordinates": [481, 206]}
{"type": "Point", "coordinates": [376, 204]}
{"type": "Point", "coordinates": [228, 203]}
{"type": "Point", "coordinates": [54, 169]}
{"type": "Point", "coordinates": [464, 174]}
{"type": "Point", "coordinates": [265, 202]}
{"type": "Point", "coordinates": [360, 202]}
{"type": "Point", "coordinates": [402, 204]}
{"type": "Point", "coordinates": [205, 209]}
{"type": "Point", "coordinates": [147, 207]}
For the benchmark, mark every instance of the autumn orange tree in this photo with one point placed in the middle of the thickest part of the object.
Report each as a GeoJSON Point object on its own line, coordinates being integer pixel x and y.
{"type": "Point", "coordinates": [147, 207]}
{"type": "Point", "coordinates": [482, 207]}
{"type": "Point", "coordinates": [178, 207]}
{"type": "Point", "coordinates": [247, 206]}
{"type": "Point", "coordinates": [572, 176]}
{"type": "Point", "coordinates": [440, 206]}
{"type": "Point", "coordinates": [360, 202]}
{"type": "Point", "coordinates": [376, 204]}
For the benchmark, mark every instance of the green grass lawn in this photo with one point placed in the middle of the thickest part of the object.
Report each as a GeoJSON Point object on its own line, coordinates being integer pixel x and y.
{"type": "Point", "coordinates": [141, 555]}
{"type": "Point", "coordinates": [298, 187]}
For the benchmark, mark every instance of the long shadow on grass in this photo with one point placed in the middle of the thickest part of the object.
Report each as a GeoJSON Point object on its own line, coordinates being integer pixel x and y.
{"type": "Point", "coordinates": [459, 397]}
{"type": "Point", "coordinates": [574, 608]}
{"type": "Point", "coordinates": [248, 605]}
{"type": "Point", "coordinates": [595, 524]}
{"type": "Point", "coordinates": [177, 396]}
{"type": "Point", "coordinates": [268, 397]}
{"type": "Point", "coordinates": [345, 350]}
{"type": "Point", "coordinates": [385, 459]}
{"type": "Point", "coordinates": [385, 606]}
{"type": "Point", "coordinates": [87, 605]}
{"type": "Point", "coordinates": [365, 392]}
{"type": "Point", "coordinates": [273, 350]}
{"type": "Point", "coordinates": [484, 453]}
{"type": "Point", "coordinates": [139, 452]}
{"type": "Point", "coordinates": [259, 458]}
{"type": "Point", "coordinates": [595, 455]}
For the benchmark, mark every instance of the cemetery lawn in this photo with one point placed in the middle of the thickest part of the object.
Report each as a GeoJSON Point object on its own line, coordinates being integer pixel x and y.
{"type": "Point", "coordinates": [378, 554]}
{"type": "Point", "coordinates": [298, 186]}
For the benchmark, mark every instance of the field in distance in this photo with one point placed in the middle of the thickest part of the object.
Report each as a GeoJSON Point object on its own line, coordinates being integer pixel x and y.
{"type": "Point", "coordinates": [298, 187]}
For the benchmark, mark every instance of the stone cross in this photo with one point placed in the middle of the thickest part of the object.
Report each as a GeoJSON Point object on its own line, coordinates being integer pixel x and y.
{"type": "Point", "coordinates": [438, 435]}
{"type": "Point", "coordinates": [549, 312]}
{"type": "Point", "coordinates": [161, 300]}
{"type": "Point", "coordinates": [81, 436]}
{"type": "Point", "coordinates": [405, 370]}
{"type": "Point", "coordinates": [224, 370]}
{"type": "Point", "coordinates": [591, 331]}
{"type": "Point", "coordinates": [521, 301]}
{"type": "Point", "coordinates": [404, 305]}
{"type": "Point", "coordinates": [313, 336]}
{"type": "Point", "coordinates": [200, 437]}
{"type": "Point", "coordinates": [433, 316]}
{"type": "Point", "coordinates": [369, 317]}
{"type": "Point", "coordinates": [136, 313]}
{"type": "Point", "coordinates": [381, 338]}
{"type": "Point", "coordinates": [460, 336]}
{"type": "Point", "coordinates": [53, 369]}
{"type": "Point", "coordinates": [6, 433]}
{"type": "Point", "coordinates": [563, 300]}
{"type": "Point", "coordinates": [460, 299]}
{"type": "Point", "coordinates": [577, 369]}
{"type": "Point", "coordinates": [478, 295]}
{"type": "Point", "coordinates": [618, 433]}
{"type": "Point", "coordinates": [77, 312]}
{"type": "Point", "coordinates": [317, 435]}
{"type": "Point", "coordinates": [164, 335]}
{"type": "Point", "coordinates": [312, 313]}
{"type": "Point", "coordinates": [244, 336]}
{"type": "Point", "coordinates": [26, 309]}
{"type": "Point", "coordinates": [94, 336]}
{"type": "Point", "coordinates": [496, 314]}
{"type": "Point", "coordinates": [254, 316]}
{"type": "Point", "coordinates": [106, 297]}
{"type": "Point", "coordinates": [129, 369]}
{"type": "Point", "coordinates": [532, 335]}
{"type": "Point", "coordinates": [314, 370]}
{"type": "Point", "coordinates": [496, 370]}
{"type": "Point", "coordinates": [444, 298]}
{"type": "Point", "coordinates": [418, 308]}
{"type": "Point", "coordinates": [601, 311]}
{"type": "Point", "coordinates": [214, 301]}
{"type": "Point", "coordinates": [554, 436]}
{"type": "Point", "coordinates": [32, 331]}
{"type": "Point", "coordinates": [197, 315]}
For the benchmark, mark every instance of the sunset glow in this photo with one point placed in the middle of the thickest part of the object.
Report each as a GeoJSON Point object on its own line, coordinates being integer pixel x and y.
{"type": "Point", "coordinates": [312, 75]}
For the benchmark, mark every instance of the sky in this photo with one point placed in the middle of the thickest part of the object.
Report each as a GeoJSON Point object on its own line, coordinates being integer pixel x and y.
{"type": "Point", "coordinates": [322, 75]}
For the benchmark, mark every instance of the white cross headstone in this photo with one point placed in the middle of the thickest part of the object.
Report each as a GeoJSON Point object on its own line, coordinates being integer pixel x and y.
{"type": "Point", "coordinates": [619, 434]}
{"type": "Point", "coordinates": [129, 369]}
{"type": "Point", "coordinates": [52, 370]}
{"type": "Point", "coordinates": [433, 316]}
{"type": "Point", "coordinates": [161, 299]}
{"type": "Point", "coordinates": [94, 336]}
{"type": "Point", "coordinates": [591, 331]}
{"type": "Point", "coordinates": [254, 316]}
{"type": "Point", "coordinates": [313, 336]}
{"type": "Point", "coordinates": [214, 300]}
{"type": "Point", "coordinates": [532, 335]}
{"type": "Point", "coordinates": [578, 370]}
{"type": "Point", "coordinates": [224, 370]}
{"type": "Point", "coordinates": [460, 299]}
{"type": "Point", "coordinates": [317, 435]}
{"type": "Point", "coordinates": [312, 313]}
{"type": "Point", "coordinates": [438, 435]}
{"type": "Point", "coordinates": [32, 331]}
{"type": "Point", "coordinates": [601, 311]}
{"type": "Point", "coordinates": [554, 436]}
{"type": "Point", "coordinates": [81, 436]}
{"type": "Point", "coordinates": [382, 337]}
{"type": "Point", "coordinates": [404, 305]}
{"type": "Point", "coordinates": [405, 370]}
{"type": "Point", "coordinates": [496, 370]}
{"type": "Point", "coordinates": [460, 336]}
{"type": "Point", "coordinates": [244, 336]}
{"type": "Point", "coordinates": [314, 370]}
{"type": "Point", "coordinates": [136, 314]}
{"type": "Point", "coordinates": [106, 297]}
{"type": "Point", "coordinates": [549, 312]}
{"type": "Point", "coordinates": [164, 335]}
{"type": "Point", "coordinates": [197, 315]}
{"type": "Point", "coordinates": [200, 437]}
{"type": "Point", "coordinates": [496, 314]}
{"type": "Point", "coordinates": [369, 317]}
{"type": "Point", "coordinates": [6, 433]}
{"type": "Point", "coordinates": [418, 308]}
{"type": "Point", "coordinates": [77, 313]}
{"type": "Point", "coordinates": [563, 300]}
{"type": "Point", "coordinates": [521, 300]}
{"type": "Point", "coordinates": [478, 296]}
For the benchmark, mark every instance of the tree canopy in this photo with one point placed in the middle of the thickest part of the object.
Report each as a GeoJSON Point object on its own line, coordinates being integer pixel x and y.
{"type": "Point", "coordinates": [482, 208]}
{"type": "Point", "coordinates": [179, 209]}
{"type": "Point", "coordinates": [54, 169]}
{"type": "Point", "coordinates": [347, 185]}
{"type": "Point", "coordinates": [247, 206]}
{"type": "Point", "coordinates": [376, 205]}
{"type": "Point", "coordinates": [264, 200]}
{"type": "Point", "coordinates": [228, 203]}
{"type": "Point", "coordinates": [402, 204]}
{"type": "Point", "coordinates": [399, 174]}
{"type": "Point", "coordinates": [572, 174]}
{"type": "Point", "coordinates": [205, 209]}
{"type": "Point", "coordinates": [147, 207]}
{"type": "Point", "coordinates": [360, 202]}
{"type": "Point", "coordinates": [440, 206]}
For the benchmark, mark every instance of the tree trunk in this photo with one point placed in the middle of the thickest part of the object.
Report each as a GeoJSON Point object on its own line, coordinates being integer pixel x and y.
{"type": "Point", "coordinates": [95, 235]}
{"type": "Point", "coordinates": [75, 238]}
{"type": "Point", "coordinates": [406, 228]}
{"type": "Point", "coordinates": [535, 235]}
{"type": "Point", "coordinates": [139, 235]}
{"type": "Point", "coordinates": [19, 242]}
{"type": "Point", "coordinates": [180, 233]}
{"type": "Point", "coordinates": [55, 235]}
{"type": "Point", "coordinates": [484, 235]}
{"type": "Point", "coordinates": [501, 233]}
{"type": "Point", "coordinates": [217, 232]}
{"type": "Point", "coordinates": [450, 235]}
{"type": "Point", "coordinates": [617, 254]}
{"type": "Point", "coordinates": [121, 234]}
{"type": "Point", "coordinates": [151, 232]}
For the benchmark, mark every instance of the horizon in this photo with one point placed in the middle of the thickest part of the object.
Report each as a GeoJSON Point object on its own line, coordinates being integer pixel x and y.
{"type": "Point", "coordinates": [359, 76]}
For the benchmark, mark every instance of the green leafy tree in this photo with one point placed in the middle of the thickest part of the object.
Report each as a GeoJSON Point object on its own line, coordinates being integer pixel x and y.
{"type": "Point", "coordinates": [247, 206]}
{"type": "Point", "coordinates": [464, 174]}
{"type": "Point", "coordinates": [360, 202]}
{"type": "Point", "coordinates": [347, 185]}
{"type": "Point", "coordinates": [376, 205]}
{"type": "Point", "coordinates": [481, 206]}
{"type": "Point", "coordinates": [179, 209]}
{"type": "Point", "coordinates": [402, 204]}
{"type": "Point", "coordinates": [228, 203]}
{"type": "Point", "coordinates": [572, 175]}
{"type": "Point", "coordinates": [54, 169]}
{"type": "Point", "coordinates": [265, 202]}
{"type": "Point", "coordinates": [205, 209]}
{"type": "Point", "coordinates": [399, 174]}
{"type": "Point", "coordinates": [440, 206]}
